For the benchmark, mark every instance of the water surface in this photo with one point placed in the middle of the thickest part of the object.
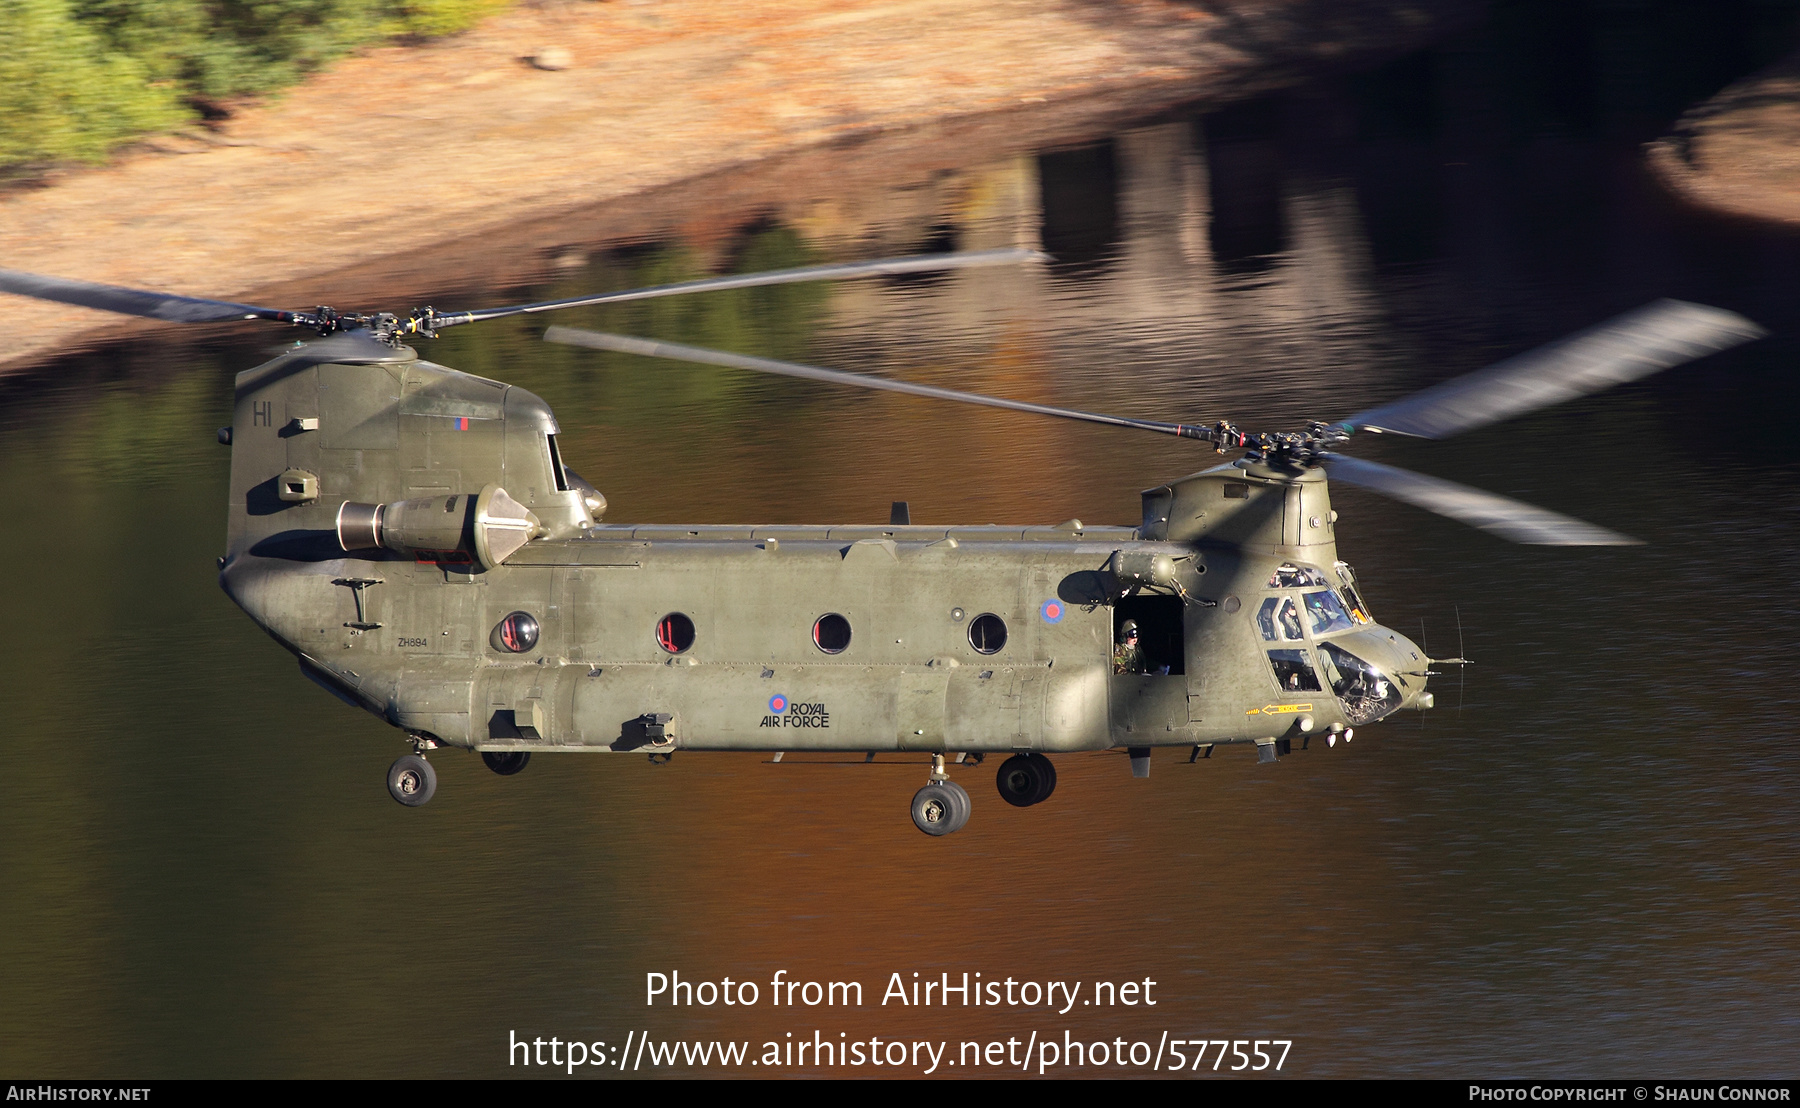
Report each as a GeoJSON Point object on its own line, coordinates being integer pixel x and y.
{"type": "Point", "coordinates": [1581, 863]}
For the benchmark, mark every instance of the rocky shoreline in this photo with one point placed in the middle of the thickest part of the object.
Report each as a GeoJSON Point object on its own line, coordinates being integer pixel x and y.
{"type": "Point", "coordinates": [459, 162]}
{"type": "Point", "coordinates": [1739, 152]}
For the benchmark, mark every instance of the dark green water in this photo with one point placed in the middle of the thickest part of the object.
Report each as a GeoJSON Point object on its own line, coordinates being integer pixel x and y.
{"type": "Point", "coordinates": [1580, 864]}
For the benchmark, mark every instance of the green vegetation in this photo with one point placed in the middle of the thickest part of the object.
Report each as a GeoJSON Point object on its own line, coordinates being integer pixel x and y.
{"type": "Point", "coordinates": [78, 77]}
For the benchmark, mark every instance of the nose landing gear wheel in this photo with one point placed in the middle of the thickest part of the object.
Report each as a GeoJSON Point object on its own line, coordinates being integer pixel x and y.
{"type": "Point", "coordinates": [940, 808]}
{"type": "Point", "coordinates": [411, 780]}
{"type": "Point", "coordinates": [1026, 779]}
{"type": "Point", "coordinates": [505, 762]}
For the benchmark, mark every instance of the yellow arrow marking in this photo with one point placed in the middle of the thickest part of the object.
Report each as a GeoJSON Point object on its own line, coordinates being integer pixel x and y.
{"type": "Point", "coordinates": [1279, 709]}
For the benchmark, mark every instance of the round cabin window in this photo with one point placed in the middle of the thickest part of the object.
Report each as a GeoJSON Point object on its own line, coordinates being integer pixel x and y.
{"type": "Point", "coordinates": [987, 633]}
{"type": "Point", "coordinates": [515, 634]}
{"type": "Point", "coordinates": [831, 633]}
{"type": "Point", "coordinates": [675, 632]}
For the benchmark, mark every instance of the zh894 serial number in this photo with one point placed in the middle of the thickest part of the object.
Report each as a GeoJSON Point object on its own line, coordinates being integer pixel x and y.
{"type": "Point", "coordinates": [1254, 1059]}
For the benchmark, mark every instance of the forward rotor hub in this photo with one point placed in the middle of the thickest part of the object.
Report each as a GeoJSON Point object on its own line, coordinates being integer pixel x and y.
{"type": "Point", "coordinates": [1303, 449]}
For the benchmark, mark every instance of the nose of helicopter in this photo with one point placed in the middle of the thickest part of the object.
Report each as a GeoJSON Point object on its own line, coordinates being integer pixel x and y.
{"type": "Point", "coordinates": [1394, 660]}
{"type": "Point", "coordinates": [1411, 668]}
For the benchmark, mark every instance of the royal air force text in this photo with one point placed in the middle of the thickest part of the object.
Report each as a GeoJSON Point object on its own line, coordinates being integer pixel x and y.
{"type": "Point", "coordinates": [800, 715]}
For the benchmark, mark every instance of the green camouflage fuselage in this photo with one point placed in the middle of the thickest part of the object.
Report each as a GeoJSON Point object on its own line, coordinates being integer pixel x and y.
{"type": "Point", "coordinates": [410, 636]}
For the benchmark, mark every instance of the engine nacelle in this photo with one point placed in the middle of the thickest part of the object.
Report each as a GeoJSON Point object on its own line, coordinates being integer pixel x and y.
{"type": "Point", "coordinates": [488, 527]}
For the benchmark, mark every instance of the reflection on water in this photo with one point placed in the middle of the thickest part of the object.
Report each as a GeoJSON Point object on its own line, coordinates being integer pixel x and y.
{"type": "Point", "coordinates": [1582, 867]}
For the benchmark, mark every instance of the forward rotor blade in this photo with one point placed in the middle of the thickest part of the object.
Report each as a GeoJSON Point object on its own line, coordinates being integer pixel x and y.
{"type": "Point", "coordinates": [139, 302]}
{"type": "Point", "coordinates": [922, 263]}
{"type": "Point", "coordinates": [1625, 348]}
{"type": "Point", "coordinates": [1513, 520]}
{"type": "Point", "coordinates": [650, 349]}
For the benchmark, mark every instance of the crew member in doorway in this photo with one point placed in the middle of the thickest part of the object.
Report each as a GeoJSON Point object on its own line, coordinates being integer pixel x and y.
{"type": "Point", "coordinates": [1127, 656]}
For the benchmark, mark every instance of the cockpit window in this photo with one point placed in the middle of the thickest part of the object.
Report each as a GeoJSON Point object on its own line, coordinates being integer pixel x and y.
{"type": "Point", "coordinates": [1290, 576]}
{"type": "Point", "coordinates": [1278, 619]}
{"type": "Point", "coordinates": [1325, 612]}
{"type": "Point", "coordinates": [1353, 598]}
{"type": "Point", "coordinates": [1294, 671]}
{"type": "Point", "coordinates": [1367, 694]}
{"type": "Point", "coordinates": [1265, 619]}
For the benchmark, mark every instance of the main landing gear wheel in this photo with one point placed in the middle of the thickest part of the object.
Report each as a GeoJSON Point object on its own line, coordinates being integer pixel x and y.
{"type": "Point", "coordinates": [411, 780]}
{"type": "Point", "coordinates": [964, 804]}
{"type": "Point", "coordinates": [940, 808]}
{"type": "Point", "coordinates": [505, 762]}
{"type": "Point", "coordinates": [1026, 779]}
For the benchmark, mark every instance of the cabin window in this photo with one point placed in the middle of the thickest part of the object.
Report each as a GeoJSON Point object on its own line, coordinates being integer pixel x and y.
{"type": "Point", "coordinates": [675, 633]}
{"type": "Point", "coordinates": [1325, 612]}
{"type": "Point", "coordinates": [987, 633]}
{"type": "Point", "coordinates": [1290, 576]}
{"type": "Point", "coordinates": [1294, 671]}
{"type": "Point", "coordinates": [516, 634]}
{"type": "Point", "coordinates": [831, 633]}
{"type": "Point", "coordinates": [556, 465]}
{"type": "Point", "coordinates": [1365, 691]}
{"type": "Point", "coordinates": [1352, 595]}
{"type": "Point", "coordinates": [1278, 619]}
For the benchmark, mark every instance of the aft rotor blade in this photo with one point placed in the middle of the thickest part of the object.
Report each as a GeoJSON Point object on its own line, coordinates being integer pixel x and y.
{"type": "Point", "coordinates": [1513, 520]}
{"type": "Point", "coordinates": [651, 349]}
{"type": "Point", "coordinates": [139, 302]}
{"type": "Point", "coordinates": [1640, 342]}
{"type": "Point", "coordinates": [921, 263]}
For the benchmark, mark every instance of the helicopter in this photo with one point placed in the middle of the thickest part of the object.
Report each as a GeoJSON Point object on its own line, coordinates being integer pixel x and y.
{"type": "Point", "coordinates": [412, 535]}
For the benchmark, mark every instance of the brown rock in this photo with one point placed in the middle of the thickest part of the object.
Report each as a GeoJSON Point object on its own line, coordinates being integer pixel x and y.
{"type": "Point", "coordinates": [553, 58]}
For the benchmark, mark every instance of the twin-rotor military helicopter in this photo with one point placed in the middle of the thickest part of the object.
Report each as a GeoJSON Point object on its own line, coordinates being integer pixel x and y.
{"type": "Point", "coordinates": [412, 535]}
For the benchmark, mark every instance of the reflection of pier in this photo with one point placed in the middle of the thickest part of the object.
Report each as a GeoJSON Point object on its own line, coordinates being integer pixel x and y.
{"type": "Point", "coordinates": [1142, 295]}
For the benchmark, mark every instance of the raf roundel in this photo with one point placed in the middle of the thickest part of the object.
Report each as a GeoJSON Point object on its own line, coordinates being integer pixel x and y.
{"type": "Point", "coordinates": [1053, 611]}
{"type": "Point", "coordinates": [778, 704]}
